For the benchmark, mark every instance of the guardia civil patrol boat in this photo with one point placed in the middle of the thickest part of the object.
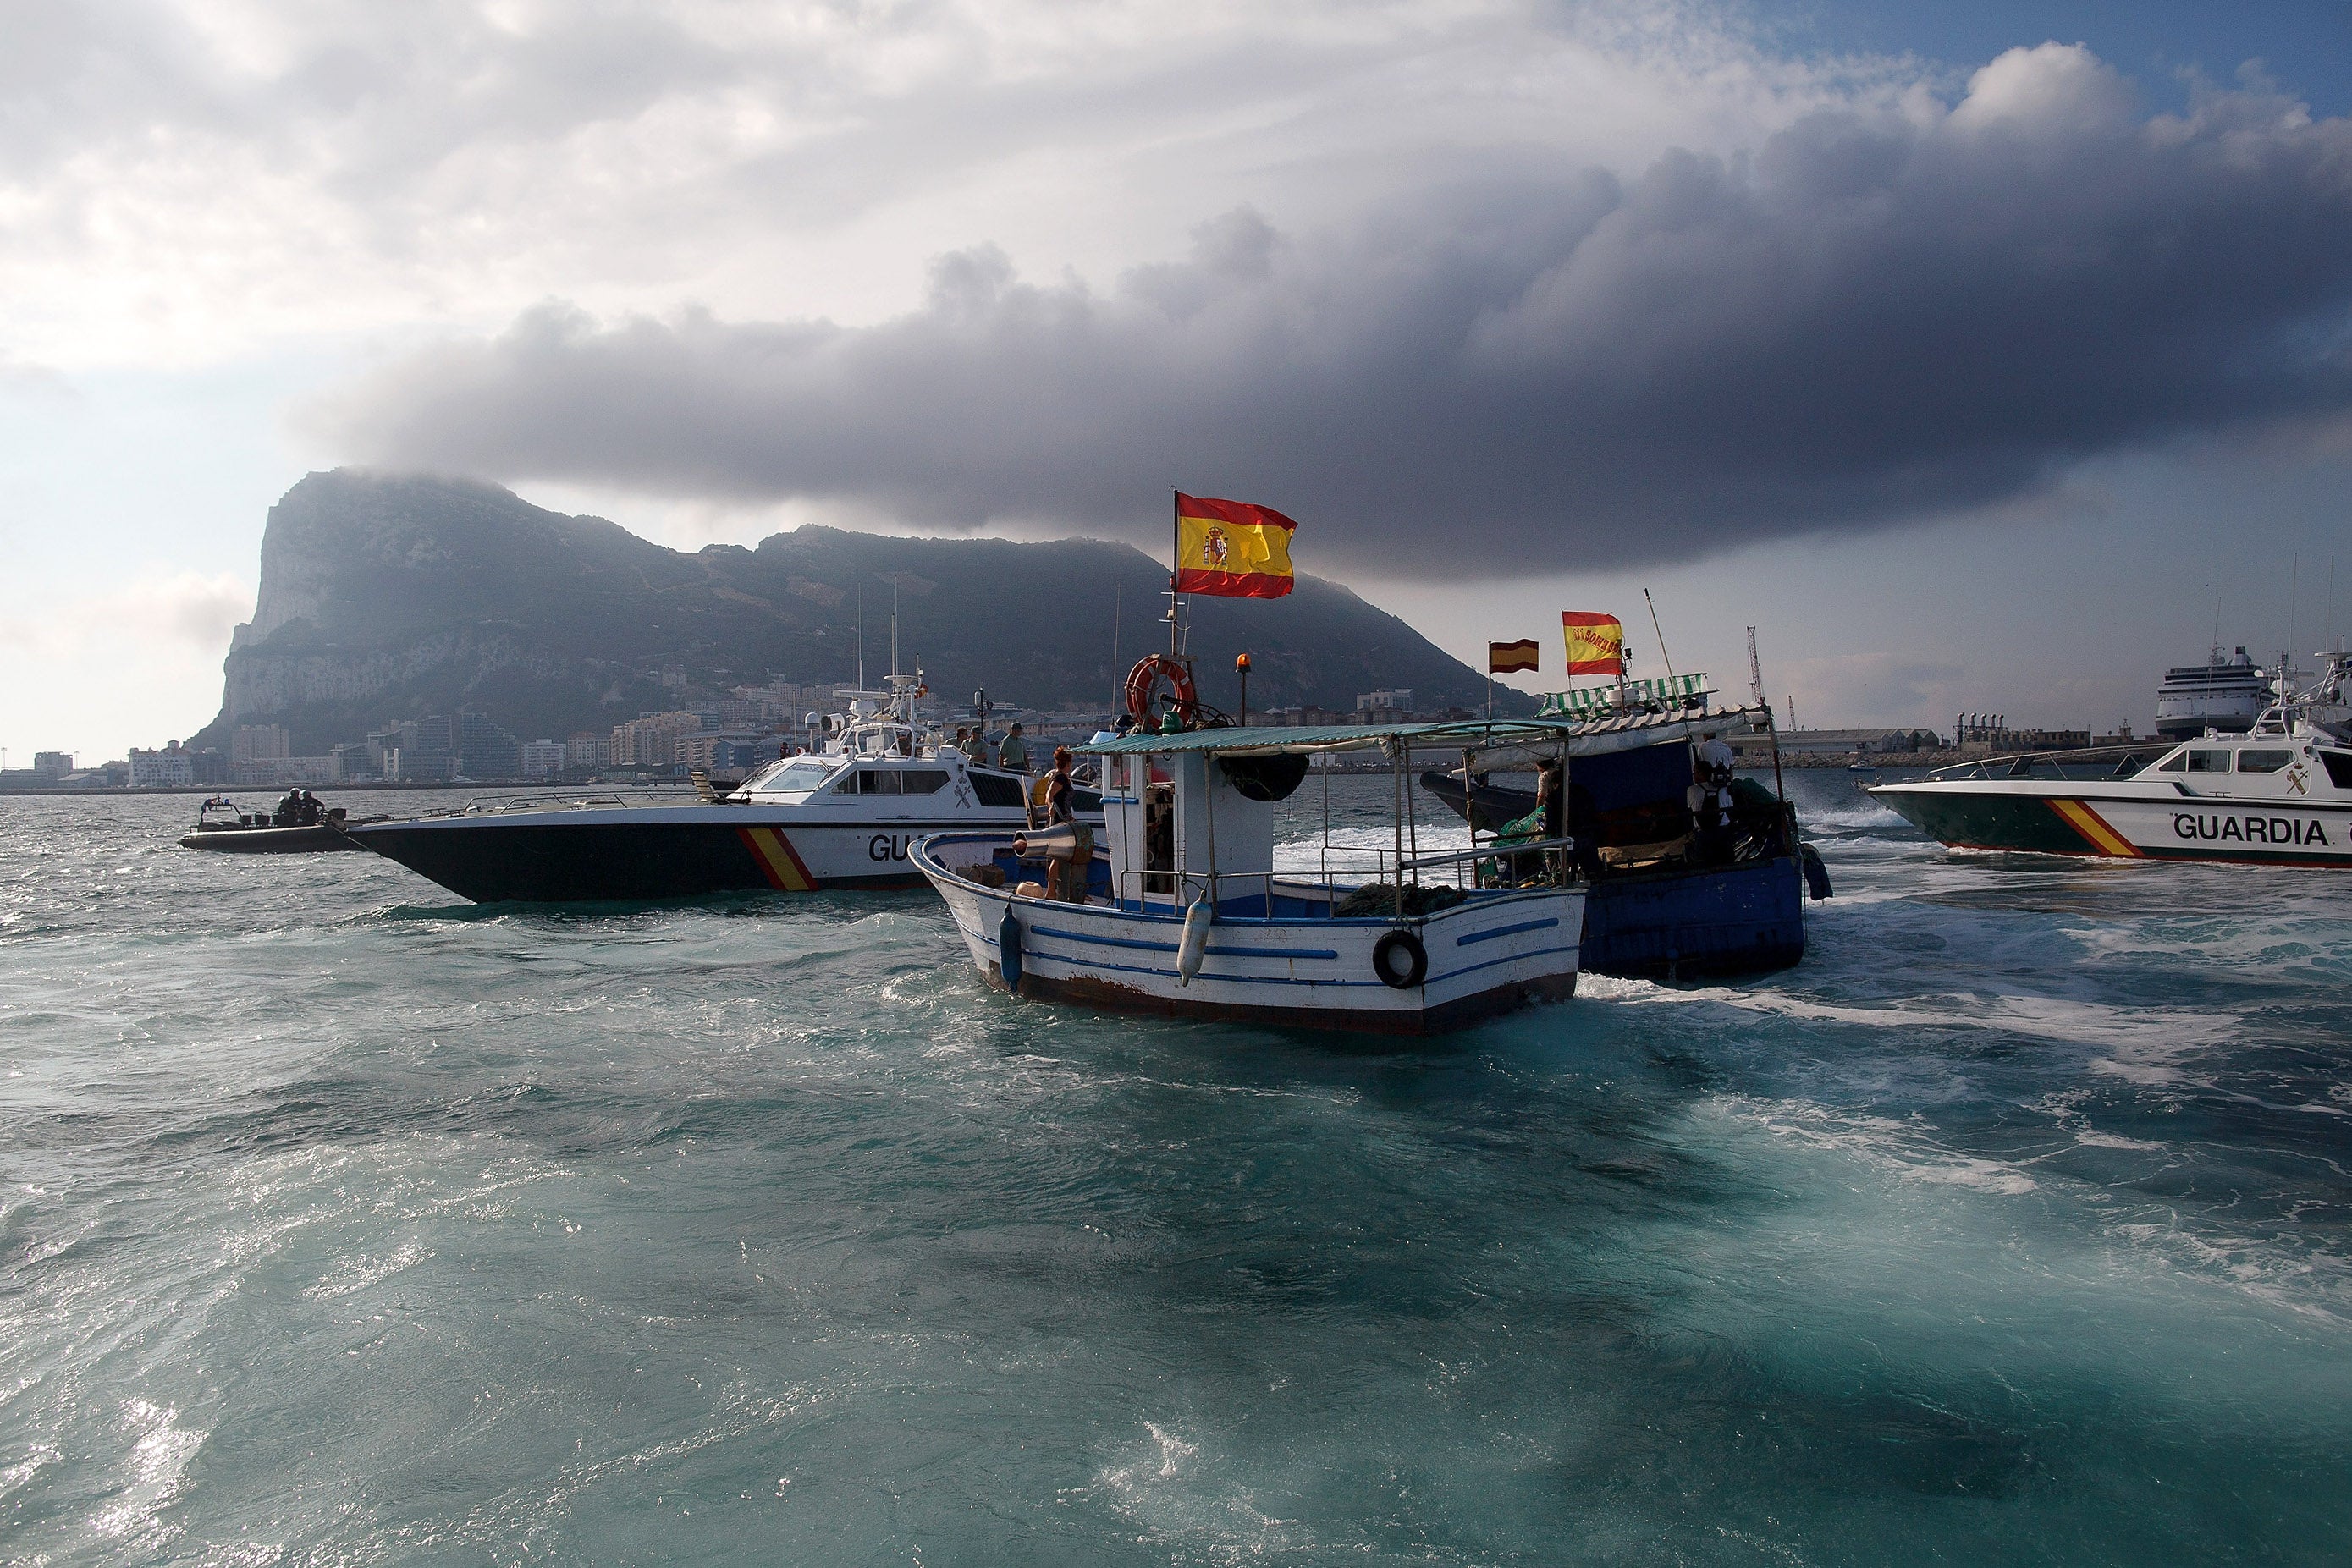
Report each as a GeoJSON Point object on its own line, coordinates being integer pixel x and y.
{"type": "Point", "coordinates": [839, 818]}
{"type": "Point", "coordinates": [2280, 793]}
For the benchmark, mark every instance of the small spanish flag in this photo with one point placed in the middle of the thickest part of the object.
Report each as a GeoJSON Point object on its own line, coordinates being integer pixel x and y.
{"type": "Point", "coordinates": [1503, 658]}
{"type": "Point", "coordinates": [1596, 644]}
{"type": "Point", "coordinates": [1232, 549]}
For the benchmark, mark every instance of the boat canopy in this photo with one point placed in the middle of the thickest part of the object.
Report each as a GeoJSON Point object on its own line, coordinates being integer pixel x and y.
{"type": "Point", "coordinates": [1580, 737]}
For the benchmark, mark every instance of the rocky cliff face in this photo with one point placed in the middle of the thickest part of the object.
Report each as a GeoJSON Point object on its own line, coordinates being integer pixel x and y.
{"type": "Point", "coordinates": [386, 597]}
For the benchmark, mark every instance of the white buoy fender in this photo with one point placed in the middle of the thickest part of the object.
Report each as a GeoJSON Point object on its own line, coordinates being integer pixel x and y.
{"type": "Point", "coordinates": [1195, 940]}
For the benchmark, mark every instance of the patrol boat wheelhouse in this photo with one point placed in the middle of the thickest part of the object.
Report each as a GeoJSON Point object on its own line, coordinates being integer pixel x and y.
{"type": "Point", "coordinates": [1183, 911]}
{"type": "Point", "coordinates": [841, 817]}
{"type": "Point", "coordinates": [2279, 794]}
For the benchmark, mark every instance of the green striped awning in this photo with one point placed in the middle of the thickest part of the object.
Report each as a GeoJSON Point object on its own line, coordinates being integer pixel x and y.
{"type": "Point", "coordinates": [1592, 702]}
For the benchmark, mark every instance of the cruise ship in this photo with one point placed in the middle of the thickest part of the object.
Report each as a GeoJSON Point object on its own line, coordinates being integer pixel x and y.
{"type": "Point", "coordinates": [2221, 694]}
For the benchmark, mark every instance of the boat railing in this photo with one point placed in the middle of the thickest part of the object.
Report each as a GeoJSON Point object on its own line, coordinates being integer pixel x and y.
{"type": "Point", "coordinates": [2090, 763]}
{"type": "Point", "coordinates": [493, 805]}
{"type": "Point", "coordinates": [1378, 867]}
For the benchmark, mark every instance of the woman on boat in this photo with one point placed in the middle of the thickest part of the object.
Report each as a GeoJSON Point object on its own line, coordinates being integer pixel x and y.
{"type": "Point", "coordinates": [1067, 879]}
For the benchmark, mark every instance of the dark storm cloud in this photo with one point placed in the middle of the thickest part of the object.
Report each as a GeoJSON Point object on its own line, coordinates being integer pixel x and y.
{"type": "Point", "coordinates": [1881, 313]}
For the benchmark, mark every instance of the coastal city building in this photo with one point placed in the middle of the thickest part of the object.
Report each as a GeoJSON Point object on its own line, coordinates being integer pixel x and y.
{"type": "Point", "coordinates": [539, 758]}
{"type": "Point", "coordinates": [169, 769]}
{"type": "Point", "coordinates": [649, 741]}
{"type": "Point", "coordinates": [261, 743]}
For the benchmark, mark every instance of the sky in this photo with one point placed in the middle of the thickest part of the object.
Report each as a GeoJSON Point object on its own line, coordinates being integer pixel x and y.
{"type": "Point", "coordinates": [1987, 358]}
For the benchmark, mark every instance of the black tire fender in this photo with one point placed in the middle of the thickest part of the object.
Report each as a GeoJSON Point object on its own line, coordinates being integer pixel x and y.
{"type": "Point", "coordinates": [1405, 944]}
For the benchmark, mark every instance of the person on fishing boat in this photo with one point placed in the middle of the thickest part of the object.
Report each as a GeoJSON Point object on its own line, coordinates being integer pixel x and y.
{"type": "Point", "coordinates": [1013, 755]}
{"type": "Point", "coordinates": [1710, 798]}
{"type": "Point", "coordinates": [1067, 880]}
{"type": "Point", "coordinates": [290, 811]}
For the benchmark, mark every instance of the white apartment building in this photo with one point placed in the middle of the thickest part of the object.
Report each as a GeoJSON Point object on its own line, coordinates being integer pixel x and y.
{"type": "Point", "coordinates": [541, 758]}
{"type": "Point", "coordinates": [161, 769]}
{"type": "Point", "coordinates": [588, 753]}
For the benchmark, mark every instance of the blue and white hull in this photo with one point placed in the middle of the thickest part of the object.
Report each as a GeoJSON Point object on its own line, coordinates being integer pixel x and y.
{"type": "Point", "coordinates": [1293, 965]}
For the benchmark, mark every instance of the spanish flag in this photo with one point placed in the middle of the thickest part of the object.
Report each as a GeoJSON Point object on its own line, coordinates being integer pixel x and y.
{"type": "Point", "coordinates": [1231, 548]}
{"type": "Point", "coordinates": [1502, 658]}
{"type": "Point", "coordinates": [1596, 644]}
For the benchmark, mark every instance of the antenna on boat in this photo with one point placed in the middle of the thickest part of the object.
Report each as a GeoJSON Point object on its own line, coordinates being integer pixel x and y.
{"type": "Point", "coordinates": [861, 633]}
{"type": "Point", "coordinates": [2293, 571]}
{"type": "Point", "coordinates": [1771, 730]}
{"type": "Point", "coordinates": [1663, 657]}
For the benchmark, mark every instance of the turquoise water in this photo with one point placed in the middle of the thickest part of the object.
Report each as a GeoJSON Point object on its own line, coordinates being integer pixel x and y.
{"type": "Point", "coordinates": [341, 1222]}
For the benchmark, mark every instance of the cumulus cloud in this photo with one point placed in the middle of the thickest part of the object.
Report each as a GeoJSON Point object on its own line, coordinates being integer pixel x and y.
{"type": "Point", "coordinates": [1886, 308]}
{"type": "Point", "coordinates": [181, 615]}
{"type": "Point", "coordinates": [181, 180]}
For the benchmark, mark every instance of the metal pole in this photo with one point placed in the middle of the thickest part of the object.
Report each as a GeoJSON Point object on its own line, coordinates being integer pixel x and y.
{"type": "Point", "coordinates": [1396, 820]}
{"type": "Point", "coordinates": [1175, 555]}
{"type": "Point", "coordinates": [1412, 819]}
{"type": "Point", "coordinates": [1663, 657]}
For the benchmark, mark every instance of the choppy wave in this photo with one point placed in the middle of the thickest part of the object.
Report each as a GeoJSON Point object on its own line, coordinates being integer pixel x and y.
{"type": "Point", "coordinates": [344, 1223]}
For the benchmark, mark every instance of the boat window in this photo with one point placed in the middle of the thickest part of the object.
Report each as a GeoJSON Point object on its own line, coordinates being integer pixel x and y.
{"type": "Point", "coordinates": [878, 782]}
{"type": "Point", "coordinates": [923, 780]}
{"type": "Point", "coordinates": [2174, 763]}
{"type": "Point", "coordinates": [2252, 761]}
{"type": "Point", "coordinates": [996, 789]}
{"type": "Point", "coordinates": [2339, 768]}
{"type": "Point", "coordinates": [2208, 762]}
{"type": "Point", "coordinates": [796, 777]}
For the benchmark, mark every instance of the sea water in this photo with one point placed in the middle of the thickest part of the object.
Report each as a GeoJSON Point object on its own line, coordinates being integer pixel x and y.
{"type": "Point", "coordinates": [346, 1222]}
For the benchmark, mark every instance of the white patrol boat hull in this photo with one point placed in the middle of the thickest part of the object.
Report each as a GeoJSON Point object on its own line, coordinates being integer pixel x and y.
{"type": "Point", "coordinates": [1493, 953]}
{"type": "Point", "coordinates": [2295, 814]}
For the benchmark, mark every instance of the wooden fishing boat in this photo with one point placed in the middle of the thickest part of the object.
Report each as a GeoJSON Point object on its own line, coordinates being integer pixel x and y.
{"type": "Point", "coordinates": [1181, 910]}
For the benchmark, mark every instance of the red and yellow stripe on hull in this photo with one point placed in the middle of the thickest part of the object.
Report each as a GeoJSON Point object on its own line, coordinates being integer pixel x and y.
{"type": "Point", "coordinates": [2095, 828]}
{"type": "Point", "coordinates": [778, 859]}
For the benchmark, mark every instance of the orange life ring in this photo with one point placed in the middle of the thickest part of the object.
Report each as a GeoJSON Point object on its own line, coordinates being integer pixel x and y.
{"type": "Point", "coordinates": [1142, 686]}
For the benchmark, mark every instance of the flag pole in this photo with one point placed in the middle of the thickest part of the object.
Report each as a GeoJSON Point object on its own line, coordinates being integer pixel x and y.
{"type": "Point", "coordinates": [1175, 553]}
